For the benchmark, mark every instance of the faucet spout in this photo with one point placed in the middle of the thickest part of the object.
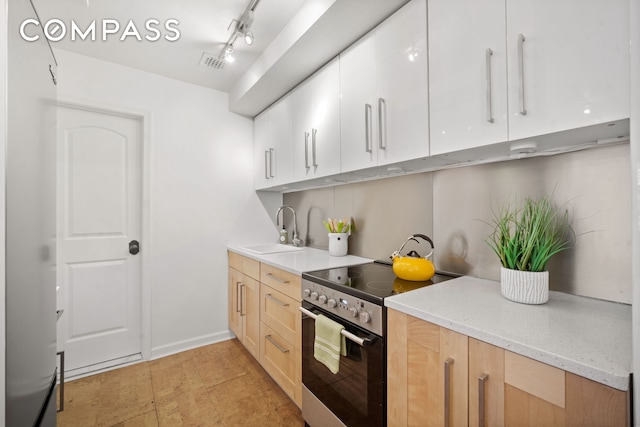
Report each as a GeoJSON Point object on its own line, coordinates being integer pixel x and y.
{"type": "Point", "coordinates": [296, 241]}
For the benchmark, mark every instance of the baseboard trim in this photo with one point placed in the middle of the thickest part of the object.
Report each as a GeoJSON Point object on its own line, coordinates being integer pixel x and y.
{"type": "Point", "coordinates": [98, 368]}
{"type": "Point", "coordinates": [180, 346]}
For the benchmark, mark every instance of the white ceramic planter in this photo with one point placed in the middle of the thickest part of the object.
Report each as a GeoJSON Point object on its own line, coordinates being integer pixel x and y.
{"type": "Point", "coordinates": [526, 287]}
{"type": "Point", "coordinates": [338, 244]}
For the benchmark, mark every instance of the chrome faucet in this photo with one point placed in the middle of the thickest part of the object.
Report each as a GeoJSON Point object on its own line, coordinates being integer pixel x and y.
{"type": "Point", "coordinates": [296, 241]}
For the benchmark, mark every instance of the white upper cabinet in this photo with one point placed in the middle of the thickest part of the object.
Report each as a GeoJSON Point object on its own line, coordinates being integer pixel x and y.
{"type": "Point", "coordinates": [272, 145]}
{"type": "Point", "coordinates": [563, 65]}
{"type": "Point", "coordinates": [574, 60]}
{"type": "Point", "coordinates": [316, 125]}
{"type": "Point", "coordinates": [467, 74]}
{"type": "Point", "coordinates": [383, 92]}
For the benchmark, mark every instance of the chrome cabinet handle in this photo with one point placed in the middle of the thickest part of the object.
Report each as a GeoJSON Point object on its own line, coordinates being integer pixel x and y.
{"type": "Point", "coordinates": [367, 128]}
{"type": "Point", "coordinates": [242, 300]}
{"type": "Point", "coordinates": [521, 40]}
{"type": "Point", "coordinates": [488, 54]}
{"type": "Point", "coordinates": [277, 301]}
{"type": "Point", "coordinates": [276, 278]}
{"type": "Point", "coordinates": [382, 110]}
{"type": "Point", "coordinates": [266, 164]}
{"type": "Point", "coordinates": [238, 298]}
{"type": "Point", "coordinates": [278, 346]}
{"type": "Point", "coordinates": [271, 174]}
{"type": "Point", "coordinates": [314, 132]}
{"type": "Point", "coordinates": [482, 379]}
{"type": "Point", "coordinates": [306, 150]}
{"type": "Point", "coordinates": [447, 391]}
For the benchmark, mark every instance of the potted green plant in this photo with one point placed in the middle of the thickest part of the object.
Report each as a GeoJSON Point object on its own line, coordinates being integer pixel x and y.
{"type": "Point", "coordinates": [526, 235]}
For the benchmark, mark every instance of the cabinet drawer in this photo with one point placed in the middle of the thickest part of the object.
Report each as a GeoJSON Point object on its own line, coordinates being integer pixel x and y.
{"type": "Point", "coordinates": [536, 378]}
{"type": "Point", "coordinates": [281, 313]}
{"type": "Point", "coordinates": [283, 281]}
{"type": "Point", "coordinates": [247, 266]}
{"type": "Point", "coordinates": [282, 361]}
{"type": "Point", "coordinates": [251, 268]}
{"type": "Point", "coordinates": [235, 261]}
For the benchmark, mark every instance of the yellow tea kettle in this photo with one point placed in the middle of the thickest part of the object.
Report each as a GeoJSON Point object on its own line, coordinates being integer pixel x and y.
{"type": "Point", "coordinates": [412, 266]}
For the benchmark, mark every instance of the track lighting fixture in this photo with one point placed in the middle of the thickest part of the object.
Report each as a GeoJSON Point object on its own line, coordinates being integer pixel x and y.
{"type": "Point", "coordinates": [240, 28]}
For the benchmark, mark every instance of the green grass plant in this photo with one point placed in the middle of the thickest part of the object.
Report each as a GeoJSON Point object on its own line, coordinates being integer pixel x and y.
{"type": "Point", "coordinates": [529, 232]}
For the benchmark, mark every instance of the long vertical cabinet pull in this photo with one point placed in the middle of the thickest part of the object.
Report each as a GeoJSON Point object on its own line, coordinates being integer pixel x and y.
{"type": "Point", "coordinates": [488, 55]}
{"type": "Point", "coordinates": [367, 128]}
{"type": "Point", "coordinates": [314, 162]}
{"type": "Point", "coordinates": [271, 174]}
{"type": "Point", "coordinates": [482, 379]}
{"type": "Point", "coordinates": [447, 391]}
{"type": "Point", "coordinates": [521, 40]}
{"type": "Point", "coordinates": [306, 150]}
{"type": "Point", "coordinates": [382, 122]}
{"type": "Point", "coordinates": [266, 164]}
{"type": "Point", "coordinates": [238, 298]}
{"type": "Point", "coordinates": [242, 300]}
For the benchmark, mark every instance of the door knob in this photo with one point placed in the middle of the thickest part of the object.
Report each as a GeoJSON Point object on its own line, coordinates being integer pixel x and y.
{"type": "Point", "coordinates": [134, 247]}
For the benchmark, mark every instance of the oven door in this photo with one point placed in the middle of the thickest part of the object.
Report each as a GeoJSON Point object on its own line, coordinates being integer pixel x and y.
{"type": "Point", "coordinates": [356, 394]}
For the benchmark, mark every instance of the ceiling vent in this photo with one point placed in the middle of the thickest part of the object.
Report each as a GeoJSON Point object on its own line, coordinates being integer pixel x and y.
{"type": "Point", "coordinates": [210, 60]}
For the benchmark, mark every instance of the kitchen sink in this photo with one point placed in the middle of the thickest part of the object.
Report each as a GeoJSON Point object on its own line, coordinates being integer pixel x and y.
{"type": "Point", "coordinates": [271, 248]}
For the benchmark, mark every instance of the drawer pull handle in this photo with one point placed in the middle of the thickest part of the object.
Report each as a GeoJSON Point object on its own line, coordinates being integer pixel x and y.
{"type": "Point", "coordinates": [482, 379]}
{"type": "Point", "coordinates": [278, 346]}
{"type": "Point", "coordinates": [447, 391]}
{"type": "Point", "coordinates": [277, 301]}
{"type": "Point", "coordinates": [276, 278]}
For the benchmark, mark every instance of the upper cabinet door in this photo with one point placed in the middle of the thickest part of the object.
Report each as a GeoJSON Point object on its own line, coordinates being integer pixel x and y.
{"type": "Point", "coordinates": [301, 111]}
{"type": "Point", "coordinates": [272, 145]}
{"type": "Point", "coordinates": [315, 108]}
{"type": "Point", "coordinates": [325, 121]}
{"type": "Point", "coordinates": [568, 64]}
{"type": "Point", "coordinates": [262, 156]}
{"type": "Point", "coordinates": [467, 74]}
{"type": "Point", "coordinates": [402, 85]}
{"type": "Point", "coordinates": [357, 100]}
{"type": "Point", "coordinates": [384, 92]}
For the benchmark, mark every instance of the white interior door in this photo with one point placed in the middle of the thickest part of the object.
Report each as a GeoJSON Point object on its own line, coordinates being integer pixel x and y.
{"type": "Point", "coordinates": [99, 215]}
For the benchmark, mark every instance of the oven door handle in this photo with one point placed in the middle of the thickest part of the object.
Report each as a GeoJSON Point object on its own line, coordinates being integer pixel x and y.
{"type": "Point", "coordinates": [362, 342]}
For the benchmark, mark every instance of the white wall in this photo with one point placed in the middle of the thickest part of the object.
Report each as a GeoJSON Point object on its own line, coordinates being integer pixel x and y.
{"type": "Point", "coordinates": [200, 193]}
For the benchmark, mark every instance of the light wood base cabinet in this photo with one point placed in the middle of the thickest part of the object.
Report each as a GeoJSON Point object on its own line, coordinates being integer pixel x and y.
{"type": "Point", "coordinates": [487, 385]}
{"type": "Point", "coordinates": [244, 301]}
{"type": "Point", "coordinates": [264, 315]}
{"type": "Point", "coordinates": [280, 329]}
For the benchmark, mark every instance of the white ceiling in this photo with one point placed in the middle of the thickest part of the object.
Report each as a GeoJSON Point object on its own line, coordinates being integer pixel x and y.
{"type": "Point", "coordinates": [301, 35]}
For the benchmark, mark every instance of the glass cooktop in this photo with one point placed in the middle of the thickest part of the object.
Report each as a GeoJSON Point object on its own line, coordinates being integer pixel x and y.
{"type": "Point", "coordinates": [373, 282]}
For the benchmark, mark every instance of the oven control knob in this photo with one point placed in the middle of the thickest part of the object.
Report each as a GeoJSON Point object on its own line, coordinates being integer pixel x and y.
{"type": "Point", "coordinates": [365, 317]}
{"type": "Point", "coordinates": [306, 293]}
{"type": "Point", "coordinates": [322, 299]}
{"type": "Point", "coordinates": [314, 295]}
{"type": "Point", "coordinates": [331, 303]}
{"type": "Point", "coordinates": [353, 311]}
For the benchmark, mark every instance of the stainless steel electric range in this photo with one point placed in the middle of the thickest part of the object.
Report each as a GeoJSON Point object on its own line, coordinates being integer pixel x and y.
{"type": "Point", "coordinates": [354, 297]}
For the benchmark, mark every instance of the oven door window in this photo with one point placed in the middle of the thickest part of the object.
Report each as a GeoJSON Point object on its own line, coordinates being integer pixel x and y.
{"type": "Point", "coordinates": [356, 393]}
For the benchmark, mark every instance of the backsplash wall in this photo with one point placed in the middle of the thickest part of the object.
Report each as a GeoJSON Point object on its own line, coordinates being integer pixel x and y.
{"type": "Point", "coordinates": [452, 206]}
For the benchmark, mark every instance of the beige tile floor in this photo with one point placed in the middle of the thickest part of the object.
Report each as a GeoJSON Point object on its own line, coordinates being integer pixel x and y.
{"type": "Point", "coordinates": [216, 385]}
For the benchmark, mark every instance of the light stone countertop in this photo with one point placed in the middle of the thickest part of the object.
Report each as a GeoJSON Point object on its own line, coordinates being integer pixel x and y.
{"type": "Point", "coordinates": [308, 259]}
{"type": "Point", "coordinates": [588, 337]}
